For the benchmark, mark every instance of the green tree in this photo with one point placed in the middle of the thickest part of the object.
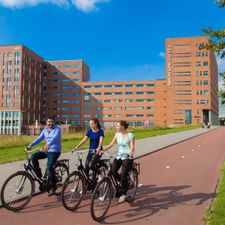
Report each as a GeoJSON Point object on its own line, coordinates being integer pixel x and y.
{"type": "Point", "coordinates": [217, 44]}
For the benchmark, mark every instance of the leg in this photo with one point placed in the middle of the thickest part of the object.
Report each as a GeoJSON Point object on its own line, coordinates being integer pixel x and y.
{"type": "Point", "coordinates": [87, 162]}
{"type": "Point", "coordinates": [93, 163]}
{"type": "Point", "coordinates": [126, 166]}
{"type": "Point", "coordinates": [52, 158]}
{"type": "Point", "coordinates": [34, 158]}
{"type": "Point", "coordinates": [115, 167]}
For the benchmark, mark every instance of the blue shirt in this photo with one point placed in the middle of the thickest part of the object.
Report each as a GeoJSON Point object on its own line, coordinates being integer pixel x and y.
{"type": "Point", "coordinates": [52, 138]}
{"type": "Point", "coordinates": [94, 138]}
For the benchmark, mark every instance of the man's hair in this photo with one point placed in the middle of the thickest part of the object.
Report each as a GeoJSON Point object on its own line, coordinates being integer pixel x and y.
{"type": "Point", "coordinates": [51, 118]}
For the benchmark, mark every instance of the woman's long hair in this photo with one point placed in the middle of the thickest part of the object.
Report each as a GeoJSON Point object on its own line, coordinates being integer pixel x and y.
{"type": "Point", "coordinates": [124, 124]}
{"type": "Point", "coordinates": [96, 121]}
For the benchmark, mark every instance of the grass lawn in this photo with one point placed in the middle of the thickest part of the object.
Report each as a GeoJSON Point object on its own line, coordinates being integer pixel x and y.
{"type": "Point", "coordinates": [12, 146]}
{"type": "Point", "coordinates": [216, 215]}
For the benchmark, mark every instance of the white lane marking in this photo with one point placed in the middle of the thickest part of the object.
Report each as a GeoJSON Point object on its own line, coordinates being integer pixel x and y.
{"type": "Point", "coordinates": [192, 150]}
{"type": "Point", "coordinates": [199, 145]}
{"type": "Point", "coordinates": [182, 156]}
{"type": "Point", "coordinates": [140, 185]}
{"type": "Point", "coordinates": [167, 167]}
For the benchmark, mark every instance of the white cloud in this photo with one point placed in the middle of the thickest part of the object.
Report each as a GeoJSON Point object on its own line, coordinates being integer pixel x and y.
{"type": "Point", "coordinates": [24, 3]}
{"type": "Point", "coordinates": [162, 54]}
{"type": "Point", "coordinates": [87, 5]}
{"type": "Point", "coordinates": [83, 5]}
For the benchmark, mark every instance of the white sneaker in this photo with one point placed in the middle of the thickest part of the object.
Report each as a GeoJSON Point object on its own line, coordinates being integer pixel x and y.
{"type": "Point", "coordinates": [100, 177]}
{"type": "Point", "coordinates": [122, 198]}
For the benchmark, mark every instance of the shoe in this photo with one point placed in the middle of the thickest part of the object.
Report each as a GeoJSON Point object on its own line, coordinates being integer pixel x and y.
{"type": "Point", "coordinates": [51, 192]}
{"type": "Point", "coordinates": [100, 177]}
{"type": "Point", "coordinates": [122, 198]}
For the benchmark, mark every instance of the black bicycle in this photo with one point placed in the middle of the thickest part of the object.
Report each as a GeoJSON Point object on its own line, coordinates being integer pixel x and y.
{"type": "Point", "coordinates": [77, 183]}
{"type": "Point", "coordinates": [19, 188]}
{"type": "Point", "coordinates": [104, 190]}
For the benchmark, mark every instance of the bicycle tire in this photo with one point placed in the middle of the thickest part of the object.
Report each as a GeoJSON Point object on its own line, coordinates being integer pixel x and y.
{"type": "Point", "coordinates": [106, 185]}
{"type": "Point", "coordinates": [72, 191]}
{"type": "Point", "coordinates": [24, 200]}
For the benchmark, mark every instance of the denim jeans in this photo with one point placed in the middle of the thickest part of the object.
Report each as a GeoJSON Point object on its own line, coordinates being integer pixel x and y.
{"type": "Point", "coordinates": [52, 158]}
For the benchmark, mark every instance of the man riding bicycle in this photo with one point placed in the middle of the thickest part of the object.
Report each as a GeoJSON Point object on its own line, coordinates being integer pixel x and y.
{"type": "Point", "coordinates": [52, 150]}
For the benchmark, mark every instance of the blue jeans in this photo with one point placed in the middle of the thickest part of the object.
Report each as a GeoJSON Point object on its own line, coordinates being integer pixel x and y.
{"type": "Point", "coordinates": [52, 158]}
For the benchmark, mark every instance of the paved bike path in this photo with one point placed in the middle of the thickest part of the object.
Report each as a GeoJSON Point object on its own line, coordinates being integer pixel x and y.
{"type": "Point", "coordinates": [177, 186]}
{"type": "Point", "coordinates": [142, 147]}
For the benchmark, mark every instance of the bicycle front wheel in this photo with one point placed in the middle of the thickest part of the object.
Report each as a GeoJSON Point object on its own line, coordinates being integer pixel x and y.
{"type": "Point", "coordinates": [17, 191]}
{"type": "Point", "coordinates": [73, 191]}
{"type": "Point", "coordinates": [101, 199]}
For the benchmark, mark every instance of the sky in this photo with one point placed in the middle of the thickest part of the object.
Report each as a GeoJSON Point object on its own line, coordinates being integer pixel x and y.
{"type": "Point", "coordinates": [118, 39]}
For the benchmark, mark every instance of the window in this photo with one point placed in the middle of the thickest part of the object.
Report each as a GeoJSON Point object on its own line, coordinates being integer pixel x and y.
{"type": "Point", "coordinates": [128, 93]}
{"type": "Point", "coordinates": [139, 100]}
{"type": "Point", "coordinates": [118, 108]}
{"type": "Point", "coordinates": [128, 85]}
{"type": "Point", "coordinates": [206, 73]}
{"type": "Point", "coordinates": [197, 54]}
{"type": "Point", "coordinates": [150, 85]}
{"type": "Point", "coordinates": [107, 93]}
{"type": "Point", "coordinates": [150, 92]}
{"type": "Point", "coordinates": [76, 72]}
{"type": "Point", "coordinates": [118, 93]}
{"type": "Point", "coordinates": [129, 100]}
{"type": "Point", "coordinates": [118, 85]}
{"type": "Point", "coordinates": [139, 85]}
{"type": "Point", "coordinates": [205, 63]}
{"type": "Point", "coordinates": [198, 63]}
{"type": "Point", "coordinates": [206, 82]}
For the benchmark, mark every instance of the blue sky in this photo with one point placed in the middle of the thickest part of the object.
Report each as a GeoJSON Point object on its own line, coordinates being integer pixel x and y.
{"type": "Point", "coordinates": [118, 39]}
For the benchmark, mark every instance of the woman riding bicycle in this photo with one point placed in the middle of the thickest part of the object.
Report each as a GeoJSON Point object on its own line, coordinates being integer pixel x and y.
{"type": "Point", "coordinates": [96, 135]}
{"type": "Point", "coordinates": [124, 156]}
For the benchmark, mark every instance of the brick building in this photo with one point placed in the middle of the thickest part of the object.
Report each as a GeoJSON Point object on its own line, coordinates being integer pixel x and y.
{"type": "Point", "coordinates": [32, 88]}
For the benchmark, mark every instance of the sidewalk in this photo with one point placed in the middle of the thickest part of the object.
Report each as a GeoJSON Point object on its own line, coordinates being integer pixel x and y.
{"type": "Point", "coordinates": [142, 147]}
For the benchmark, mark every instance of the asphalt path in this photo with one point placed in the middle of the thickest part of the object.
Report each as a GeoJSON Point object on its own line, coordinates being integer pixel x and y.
{"type": "Point", "coordinates": [177, 185]}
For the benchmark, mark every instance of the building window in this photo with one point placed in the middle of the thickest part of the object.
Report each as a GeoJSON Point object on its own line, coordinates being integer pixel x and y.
{"type": "Point", "coordinates": [205, 63]}
{"type": "Point", "coordinates": [206, 82]}
{"type": "Point", "coordinates": [198, 63]}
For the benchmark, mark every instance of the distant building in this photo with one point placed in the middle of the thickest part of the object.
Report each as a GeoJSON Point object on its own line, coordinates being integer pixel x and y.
{"type": "Point", "coordinates": [32, 89]}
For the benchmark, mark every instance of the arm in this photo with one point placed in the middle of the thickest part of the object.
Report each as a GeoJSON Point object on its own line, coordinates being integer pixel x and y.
{"type": "Point", "coordinates": [111, 144]}
{"type": "Point", "coordinates": [82, 141]}
{"type": "Point", "coordinates": [132, 142]}
{"type": "Point", "coordinates": [99, 145]}
{"type": "Point", "coordinates": [38, 140]}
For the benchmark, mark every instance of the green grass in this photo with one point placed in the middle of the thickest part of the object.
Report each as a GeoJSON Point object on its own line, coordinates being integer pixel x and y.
{"type": "Point", "coordinates": [12, 146]}
{"type": "Point", "coordinates": [216, 215]}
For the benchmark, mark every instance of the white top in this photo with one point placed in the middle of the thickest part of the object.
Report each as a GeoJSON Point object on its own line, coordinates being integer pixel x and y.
{"type": "Point", "coordinates": [124, 145]}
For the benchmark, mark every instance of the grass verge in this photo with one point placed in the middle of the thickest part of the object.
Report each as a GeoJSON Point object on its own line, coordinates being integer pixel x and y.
{"type": "Point", "coordinates": [216, 214]}
{"type": "Point", "coordinates": [12, 146]}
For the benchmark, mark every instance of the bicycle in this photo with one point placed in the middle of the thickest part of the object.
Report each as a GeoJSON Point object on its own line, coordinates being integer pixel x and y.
{"type": "Point", "coordinates": [77, 183]}
{"type": "Point", "coordinates": [104, 190]}
{"type": "Point", "coordinates": [19, 188]}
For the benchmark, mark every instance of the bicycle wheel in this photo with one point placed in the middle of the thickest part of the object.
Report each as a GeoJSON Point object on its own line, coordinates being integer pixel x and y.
{"type": "Point", "coordinates": [17, 191]}
{"type": "Point", "coordinates": [73, 191]}
{"type": "Point", "coordinates": [101, 199]}
{"type": "Point", "coordinates": [61, 173]}
{"type": "Point", "coordinates": [133, 185]}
